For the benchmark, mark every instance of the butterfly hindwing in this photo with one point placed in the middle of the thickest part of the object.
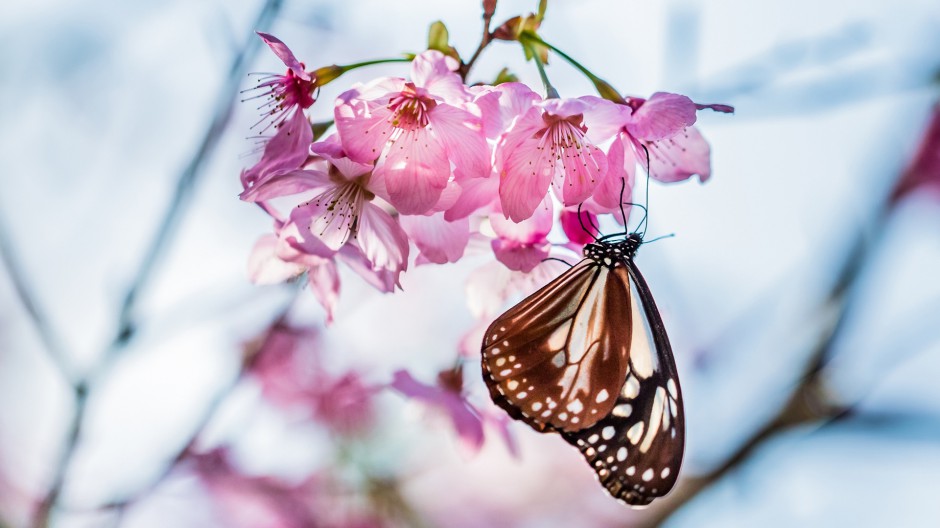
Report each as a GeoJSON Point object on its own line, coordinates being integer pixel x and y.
{"type": "Point", "coordinates": [636, 450]}
{"type": "Point", "coordinates": [556, 359]}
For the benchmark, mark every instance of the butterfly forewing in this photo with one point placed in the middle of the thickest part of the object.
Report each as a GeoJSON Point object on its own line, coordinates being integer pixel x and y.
{"type": "Point", "coordinates": [637, 449]}
{"type": "Point", "coordinates": [557, 359]}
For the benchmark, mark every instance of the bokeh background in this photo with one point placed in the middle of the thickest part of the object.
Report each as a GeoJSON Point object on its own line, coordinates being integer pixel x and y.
{"type": "Point", "coordinates": [801, 291]}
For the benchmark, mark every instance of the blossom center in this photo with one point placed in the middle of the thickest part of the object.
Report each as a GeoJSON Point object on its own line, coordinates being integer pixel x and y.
{"type": "Point", "coordinates": [410, 109]}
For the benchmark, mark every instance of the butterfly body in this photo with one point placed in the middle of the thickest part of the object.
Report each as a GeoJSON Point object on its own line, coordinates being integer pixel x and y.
{"type": "Point", "coordinates": [587, 356]}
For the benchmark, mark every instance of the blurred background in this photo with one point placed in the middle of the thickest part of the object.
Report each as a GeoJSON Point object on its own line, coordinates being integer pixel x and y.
{"type": "Point", "coordinates": [145, 382]}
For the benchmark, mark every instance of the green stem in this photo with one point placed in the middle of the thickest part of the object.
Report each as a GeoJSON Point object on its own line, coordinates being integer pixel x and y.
{"type": "Point", "coordinates": [603, 87]}
{"type": "Point", "coordinates": [550, 91]}
{"type": "Point", "coordinates": [350, 67]}
{"type": "Point", "coordinates": [328, 74]}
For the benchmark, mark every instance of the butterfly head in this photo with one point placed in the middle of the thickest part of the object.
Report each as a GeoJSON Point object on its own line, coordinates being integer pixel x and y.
{"type": "Point", "coordinates": [613, 253]}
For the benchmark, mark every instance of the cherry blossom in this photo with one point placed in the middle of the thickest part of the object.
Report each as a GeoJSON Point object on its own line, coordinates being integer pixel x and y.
{"type": "Point", "coordinates": [285, 94]}
{"type": "Point", "coordinates": [662, 126]}
{"type": "Point", "coordinates": [522, 246]}
{"type": "Point", "coordinates": [415, 131]}
{"type": "Point", "coordinates": [290, 370]}
{"type": "Point", "coordinates": [553, 143]}
{"type": "Point", "coordinates": [340, 210]}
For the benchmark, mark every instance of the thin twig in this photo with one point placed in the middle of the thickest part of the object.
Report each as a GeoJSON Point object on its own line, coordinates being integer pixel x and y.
{"type": "Point", "coordinates": [184, 185]}
{"type": "Point", "coordinates": [484, 42]}
{"type": "Point", "coordinates": [29, 302]}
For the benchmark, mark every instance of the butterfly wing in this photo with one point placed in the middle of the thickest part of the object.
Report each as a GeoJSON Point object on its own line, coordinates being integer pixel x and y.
{"type": "Point", "coordinates": [558, 359]}
{"type": "Point", "coordinates": [636, 450]}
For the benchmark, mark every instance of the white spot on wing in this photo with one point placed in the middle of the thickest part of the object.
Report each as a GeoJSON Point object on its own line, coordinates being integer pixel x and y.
{"type": "Point", "coordinates": [602, 396]}
{"type": "Point", "coordinates": [608, 432]}
{"type": "Point", "coordinates": [642, 349]}
{"type": "Point", "coordinates": [631, 388]}
{"type": "Point", "coordinates": [622, 454]}
{"type": "Point", "coordinates": [671, 386]}
{"type": "Point", "coordinates": [559, 337]}
{"type": "Point", "coordinates": [648, 475]}
{"type": "Point", "coordinates": [665, 473]}
{"type": "Point", "coordinates": [622, 410]}
{"type": "Point", "coordinates": [656, 416]}
{"type": "Point", "coordinates": [635, 433]}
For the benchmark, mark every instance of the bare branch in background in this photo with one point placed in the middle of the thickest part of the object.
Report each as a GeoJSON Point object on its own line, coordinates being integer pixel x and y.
{"type": "Point", "coordinates": [185, 183]}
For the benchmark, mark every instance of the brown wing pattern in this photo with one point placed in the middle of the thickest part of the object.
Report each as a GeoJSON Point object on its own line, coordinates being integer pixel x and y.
{"type": "Point", "coordinates": [636, 450]}
{"type": "Point", "coordinates": [557, 359]}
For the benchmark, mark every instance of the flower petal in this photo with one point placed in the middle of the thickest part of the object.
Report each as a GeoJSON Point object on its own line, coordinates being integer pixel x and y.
{"type": "Point", "coordinates": [438, 240]}
{"type": "Point", "coordinates": [287, 150]}
{"type": "Point", "coordinates": [285, 54]}
{"type": "Point", "coordinates": [520, 257]}
{"type": "Point", "coordinates": [328, 218]}
{"type": "Point", "coordinates": [618, 183]}
{"type": "Point", "coordinates": [581, 230]}
{"type": "Point", "coordinates": [382, 279]}
{"type": "Point", "coordinates": [501, 104]}
{"type": "Point", "coordinates": [461, 133]}
{"type": "Point", "coordinates": [585, 166]}
{"type": "Point", "coordinates": [382, 240]}
{"type": "Point", "coordinates": [475, 194]}
{"type": "Point", "coordinates": [416, 171]}
{"type": "Point", "coordinates": [465, 420]}
{"type": "Point", "coordinates": [432, 71]}
{"type": "Point", "coordinates": [285, 184]}
{"type": "Point", "coordinates": [525, 168]}
{"type": "Point", "coordinates": [363, 126]}
{"type": "Point", "coordinates": [264, 266]}
{"type": "Point", "coordinates": [677, 158]}
{"type": "Point", "coordinates": [324, 283]}
{"type": "Point", "coordinates": [331, 149]}
{"type": "Point", "coordinates": [661, 116]}
{"type": "Point", "coordinates": [529, 231]}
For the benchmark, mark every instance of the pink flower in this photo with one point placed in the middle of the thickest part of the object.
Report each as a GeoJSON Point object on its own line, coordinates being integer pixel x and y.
{"type": "Point", "coordinates": [340, 210]}
{"type": "Point", "coordinates": [285, 93]}
{"type": "Point", "coordinates": [580, 231]}
{"type": "Point", "coordinates": [522, 246]}
{"type": "Point", "coordinates": [923, 173]}
{"type": "Point", "coordinates": [253, 501]}
{"type": "Point", "coordinates": [448, 396]}
{"type": "Point", "coordinates": [416, 131]}
{"type": "Point", "coordinates": [439, 241]}
{"type": "Point", "coordinates": [663, 125]}
{"type": "Point", "coordinates": [553, 143]}
{"type": "Point", "coordinates": [287, 150]}
{"type": "Point", "coordinates": [289, 368]}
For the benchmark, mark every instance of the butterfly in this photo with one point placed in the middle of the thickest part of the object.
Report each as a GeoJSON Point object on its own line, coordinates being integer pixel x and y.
{"type": "Point", "coordinates": [587, 356]}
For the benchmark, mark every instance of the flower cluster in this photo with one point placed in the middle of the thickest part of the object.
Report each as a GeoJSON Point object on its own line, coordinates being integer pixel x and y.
{"type": "Point", "coordinates": [429, 162]}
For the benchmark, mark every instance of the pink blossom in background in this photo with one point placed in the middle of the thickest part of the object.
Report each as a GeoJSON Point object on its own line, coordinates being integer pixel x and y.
{"type": "Point", "coordinates": [414, 131]}
{"type": "Point", "coordinates": [448, 397]}
{"type": "Point", "coordinates": [554, 143]}
{"type": "Point", "coordinates": [923, 173]}
{"type": "Point", "coordinates": [253, 501]}
{"type": "Point", "coordinates": [291, 92]}
{"type": "Point", "coordinates": [290, 372]}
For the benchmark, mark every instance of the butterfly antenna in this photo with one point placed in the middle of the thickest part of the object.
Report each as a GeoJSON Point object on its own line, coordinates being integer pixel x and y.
{"type": "Point", "coordinates": [646, 209]}
{"type": "Point", "coordinates": [670, 235]}
{"type": "Point", "coordinates": [590, 222]}
{"type": "Point", "coordinates": [563, 261]}
{"type": "Point", "coordinates": [623, 212]}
